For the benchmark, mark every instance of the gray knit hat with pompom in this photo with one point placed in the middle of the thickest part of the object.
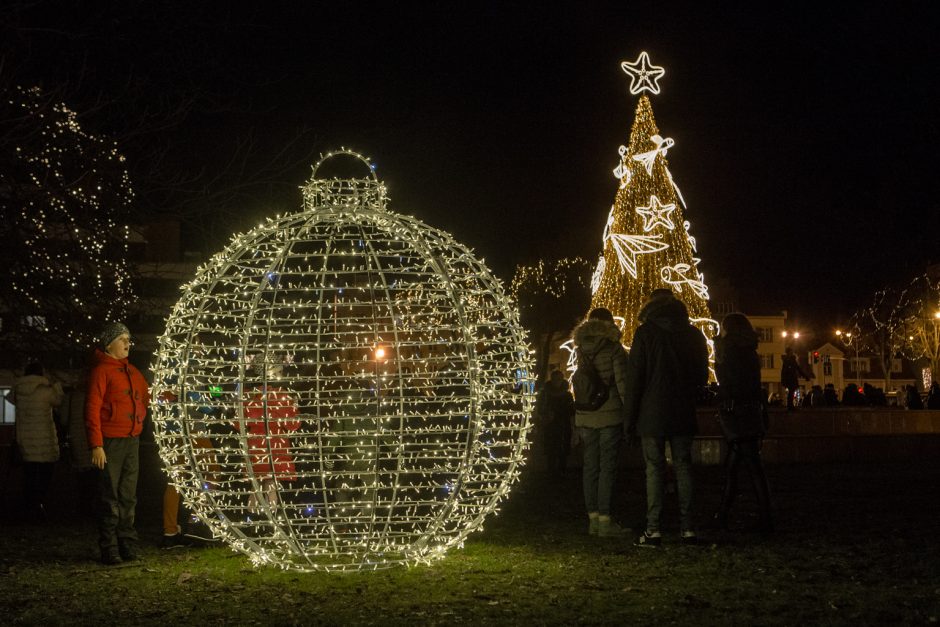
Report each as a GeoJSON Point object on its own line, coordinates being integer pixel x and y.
{"type": "Point", "coordinates": [110, 332]}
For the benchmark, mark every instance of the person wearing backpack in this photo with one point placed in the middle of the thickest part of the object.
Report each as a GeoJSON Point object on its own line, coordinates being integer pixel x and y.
{"type": "Point", "coordinates": [668, 369]}
{"type": "Point", "coordinates": [599, 386]}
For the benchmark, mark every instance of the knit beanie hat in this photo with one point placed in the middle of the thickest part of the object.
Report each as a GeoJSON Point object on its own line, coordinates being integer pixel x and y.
{"type": "Point", "coordinates": [110, 332]}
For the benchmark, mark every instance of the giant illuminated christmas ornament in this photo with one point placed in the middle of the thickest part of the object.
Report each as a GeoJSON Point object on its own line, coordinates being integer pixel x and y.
{"type": "Point", "coordinates": [343, 388]}
{"type": "Point", "coordinates": [647, 243]}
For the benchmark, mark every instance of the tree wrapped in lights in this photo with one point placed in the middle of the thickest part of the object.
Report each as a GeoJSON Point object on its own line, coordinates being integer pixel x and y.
{"type": "Point", "coordinates": [64, 193]}
{"type": "Point", "coordinates": [365, 365]}
{"type": "Point", "coordinates": [920, 326]}
{"type": "Point", "coordinates": [647, 243]}
{"type": "Point", "coordinates": [551, 296]}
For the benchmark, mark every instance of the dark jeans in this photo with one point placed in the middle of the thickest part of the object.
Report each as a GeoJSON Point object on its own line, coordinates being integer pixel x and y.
{"type": "Point", "coordinates": [117, 492]}
{"type": "Point", "coordinates": [600, 466]}
{"type": "Point", "coordinates": [557, 443]}
{"type": "Point", "coordinates": [37, 476]}
{"type": "Point", "coordinates": [654, 453]}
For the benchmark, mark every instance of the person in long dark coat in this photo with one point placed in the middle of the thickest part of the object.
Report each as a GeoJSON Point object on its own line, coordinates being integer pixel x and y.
{"type": "Point", "coordinates": [667, 370]}
{"type": "Point", "coordinates": [737, 366]}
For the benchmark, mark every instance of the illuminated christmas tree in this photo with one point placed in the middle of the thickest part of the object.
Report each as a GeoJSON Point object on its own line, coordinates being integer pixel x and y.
{"type": "Point", "coordinates": [63, 192]}
{"type": "Point", "coordinates": [647, 242]}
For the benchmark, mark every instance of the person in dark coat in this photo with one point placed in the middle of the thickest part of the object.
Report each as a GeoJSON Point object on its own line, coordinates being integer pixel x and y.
{"type": "Point", "coordinates": [933, 396]}
{"type": "Point", "coordinates": [601, 430]}
{"type": "Point", "coordinates": [668, 366]}
{"type": "Point", "coordinates": [790, 373]}
{"type": "Point", "coordinates": [554, 410]}
{"type": "Point", "coordinates": [852, 397]}
{"type": "Point", "coordinates": [738, 368]}
{"type": "Point", "coordinates": [829, 395]}
{"type": "Point", "coordinates": [913, 400]}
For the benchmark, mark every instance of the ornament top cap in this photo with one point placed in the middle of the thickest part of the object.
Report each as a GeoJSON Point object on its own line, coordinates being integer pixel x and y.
{"type": "Point", "coordinates": [340, 152]}
{"type": "Point", "coordinates": [344, 193]}
{"type": "Point", "coordinates": [644, 76]}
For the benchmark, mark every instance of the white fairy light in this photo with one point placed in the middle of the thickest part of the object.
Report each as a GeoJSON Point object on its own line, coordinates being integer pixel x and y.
{"type": "Point", "coordinates": [343, 388]}
{"type": "Point", "coordinates": [675, 276]}
{"type": "Point", "coordinates": [656, 214]}
{"type": "Point", "coordinates": [598, 273]}
{"type": "Point", "coordinates": [649, 158]}
{"type": "Point", "coordinates": [622, 172]}
{"type": "Point", "coordinates": [628, 247]}
{"type": "Point", "coordinates": [643, 75]}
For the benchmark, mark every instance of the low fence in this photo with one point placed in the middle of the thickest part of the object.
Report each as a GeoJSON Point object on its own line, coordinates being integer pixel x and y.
{"type": "Point", "coordinates": [833, 435]}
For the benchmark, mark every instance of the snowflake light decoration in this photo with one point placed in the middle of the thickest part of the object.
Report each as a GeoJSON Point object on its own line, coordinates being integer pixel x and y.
{"type": "Point", "coordinates": [343, 388]}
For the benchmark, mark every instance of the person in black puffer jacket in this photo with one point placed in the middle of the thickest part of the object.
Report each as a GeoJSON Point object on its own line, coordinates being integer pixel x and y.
{"type": "Point", "coordinates": [668, 367]}
{"type": "Point", "coordinates": [601, 430]}
{"type": "Point", "coordinates": [738, 368]}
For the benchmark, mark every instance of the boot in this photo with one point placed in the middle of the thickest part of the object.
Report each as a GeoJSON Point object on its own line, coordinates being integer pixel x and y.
{"type": "Point", "coordinates": [607, 528]}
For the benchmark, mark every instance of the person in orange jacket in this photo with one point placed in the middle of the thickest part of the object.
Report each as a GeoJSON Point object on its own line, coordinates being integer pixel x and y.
{"type": "Point", "coordinates": [115, 407]}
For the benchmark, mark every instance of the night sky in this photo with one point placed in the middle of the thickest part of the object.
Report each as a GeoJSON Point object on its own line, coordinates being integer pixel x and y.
{"type": "Point", "coordinates": [805, 134]}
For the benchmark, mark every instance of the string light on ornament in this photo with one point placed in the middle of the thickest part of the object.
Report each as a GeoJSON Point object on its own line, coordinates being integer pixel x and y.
{"type": "Point", "coordinates": [622, 172]}
{"type": "Point", "coordinates": [343, 388]}
{"type": "Point", "coordinates": [656, 214]}
{"type": "Point", "coordinates": [628, 247]}
{"type": "Point", "coordinates": [675, 276]}
{"type": "Point", "coordinates": [687, 226]}
{"type": "Point", "coordinates": [644, 76]}
{"type": "Point", "coordinates": [598, 273]}
{"type": "Point", "coordinates": [649, 158]}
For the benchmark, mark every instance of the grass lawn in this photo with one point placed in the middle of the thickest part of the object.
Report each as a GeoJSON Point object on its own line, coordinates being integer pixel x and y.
{"type": "Point", "coordinates": [856, 544]}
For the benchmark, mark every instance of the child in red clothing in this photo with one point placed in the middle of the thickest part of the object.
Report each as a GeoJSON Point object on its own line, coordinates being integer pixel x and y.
{"type": "Point", "coordinates": [270, 416]}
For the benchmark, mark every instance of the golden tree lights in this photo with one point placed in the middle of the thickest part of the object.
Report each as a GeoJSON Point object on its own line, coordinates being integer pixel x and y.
{"type": "Point", "coordinates": [646, 243]}
{"type": "Point", "coordinates": [63, 192]}
{"type": "Point", "coordinates": [343, 388]}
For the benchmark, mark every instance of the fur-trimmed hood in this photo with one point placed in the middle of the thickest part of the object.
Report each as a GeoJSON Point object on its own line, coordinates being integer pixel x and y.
{"type": "Point", "coordinates": [589, 333]}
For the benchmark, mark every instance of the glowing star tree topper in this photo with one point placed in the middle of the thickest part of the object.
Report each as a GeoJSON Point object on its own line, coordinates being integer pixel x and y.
{"type": "Point", "coordinates": [644, 76]}
{"type": "Point", "coordinates": [343, 388]}
{"type": "Point", "coordinates": [642, 248]}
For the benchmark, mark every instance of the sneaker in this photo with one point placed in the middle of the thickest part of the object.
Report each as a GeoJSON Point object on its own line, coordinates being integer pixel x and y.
{"type": "Point", "coordinates": [174, 541]}
{"type": "Point", "coordinates": [688, 538]}
{"type": "Point", "coordinates": [649, 540]}
{"type": "Point", "coordinates": [110, 557]}
{"type": "Point", "coordinates": [592, 525]}
{"type": "Point", "coordinates": [606, 528]}
{"type": "Point", "coordinates": [128, 552]}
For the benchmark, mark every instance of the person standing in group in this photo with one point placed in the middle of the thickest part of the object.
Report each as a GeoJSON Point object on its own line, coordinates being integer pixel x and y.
{"type": "Point", "coordinates": [73, 422]}
{"type": "Point", "coordinates": [115, 407]}
{"type": "Point", "coordinates": [554, 410]}
{"type": "Point", "coordinates": [35, 399]}
{"type": "Point", "coordinates": [270, 418]}
{"type": "Point", "coordinates": [933, 396]}
{"type": "Point", "coordinates": [668, 367]}
{"type": "Point", "coordinates": [790, 373]}
{"type": "Point", "coordinates": [743, 414]}
{"type": "Point", "coordinates": [600, 427]}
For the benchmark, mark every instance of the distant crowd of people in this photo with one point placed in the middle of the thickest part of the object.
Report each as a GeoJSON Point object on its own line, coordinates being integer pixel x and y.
{"type": "Point", "coordinates": [868, 396]}
{"type": "Point", "coordinates": [649, 395]}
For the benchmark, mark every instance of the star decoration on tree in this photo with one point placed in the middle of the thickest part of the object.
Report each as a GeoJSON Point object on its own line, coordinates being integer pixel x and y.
{"type": "Point", "coordinates": [643, 75]}
{"type": "Point", "coordinates": [656, 213]}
